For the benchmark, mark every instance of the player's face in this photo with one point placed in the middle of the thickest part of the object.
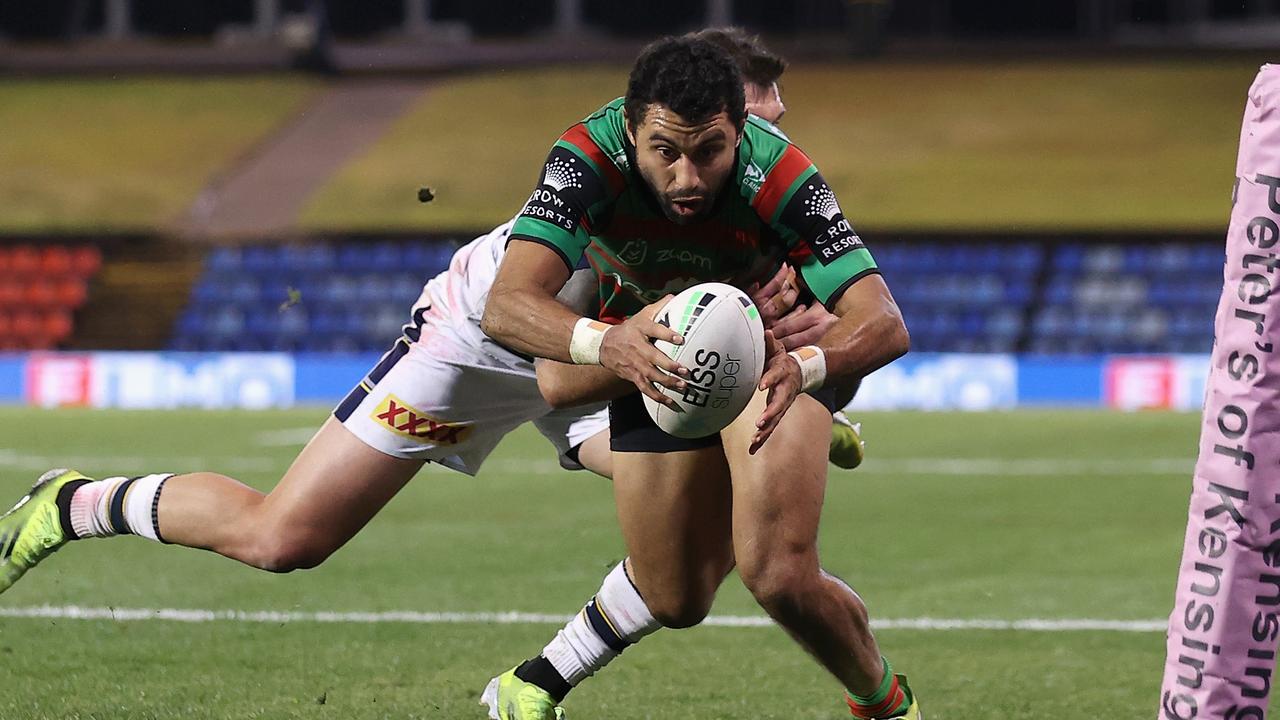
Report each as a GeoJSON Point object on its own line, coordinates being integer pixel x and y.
{"type": "Point", "coordinates": [765, 101]}
{"type": "Point", "coordinates": [685, 164]}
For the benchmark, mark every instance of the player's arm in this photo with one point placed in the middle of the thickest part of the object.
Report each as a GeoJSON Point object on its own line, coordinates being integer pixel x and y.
{"type": "Point", "coordinates": [522, 311]}
{"type": "Point", "coordinates": [868, 335]}
{"type": "Point", "coordinates": [547, 241]}
{"type": "Point", "coordinates": [563, 385]}
{"type": "Point", "coordinates": [839, 270]}
{"type": "Point", "coordinates": [523, 314]}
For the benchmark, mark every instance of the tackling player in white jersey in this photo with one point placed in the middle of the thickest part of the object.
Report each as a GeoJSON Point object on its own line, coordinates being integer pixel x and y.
{"type": "Point", "coordinates": [444, 393]}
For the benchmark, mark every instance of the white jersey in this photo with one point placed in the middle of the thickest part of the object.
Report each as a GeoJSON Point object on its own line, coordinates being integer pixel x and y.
{"type": "Point", "coordinates": [446, 392]}
{"type": "Point", "coordinates": [458, 295]}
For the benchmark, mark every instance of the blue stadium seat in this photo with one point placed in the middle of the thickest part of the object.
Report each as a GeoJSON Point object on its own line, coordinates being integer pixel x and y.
{"type": "Point", "coordinates": [224, 259]}
{"type": "Point", "coordinates": [967, 296]}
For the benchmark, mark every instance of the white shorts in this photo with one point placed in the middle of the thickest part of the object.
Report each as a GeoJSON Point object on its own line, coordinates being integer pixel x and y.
{"type": "Point", "coordinates": [437, 396]}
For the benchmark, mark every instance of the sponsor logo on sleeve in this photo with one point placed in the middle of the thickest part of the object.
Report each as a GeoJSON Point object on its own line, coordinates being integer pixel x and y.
{"type": "Point", "coordinates": [830, 234]}
{"type": "Point", "coordinates": [562, 175]}
{"type": "Point", "coordinates": [402, 419]}
{"type": "Point", "coordinates": [753, 177]}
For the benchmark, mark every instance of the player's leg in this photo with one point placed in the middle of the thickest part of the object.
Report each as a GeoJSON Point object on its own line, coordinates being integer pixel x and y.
{"type": "Point", "coordinates": [594, 454]}
{"type": "Point", "coordinates": [580, 436]}
{"type": "Point", "coordinates": [777, 503]}
{"type": "Point", "coordinates": [672, 499]}
{"type": "Point", "coordinates": [334, 487]}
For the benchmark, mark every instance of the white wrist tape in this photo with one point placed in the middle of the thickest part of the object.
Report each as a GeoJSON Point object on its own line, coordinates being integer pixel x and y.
{"type": "Point", "coordinates": [584, 346]}
{"type": "Point", "coordinates": [813, 366]}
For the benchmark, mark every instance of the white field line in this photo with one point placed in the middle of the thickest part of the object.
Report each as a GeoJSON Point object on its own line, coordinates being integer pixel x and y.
{"type": "Point", "coordinates": [10, 458]}
{"type": "Point", "coordinates": [76, 612]}
{"type": "Point", "coordinates": [295, 437]}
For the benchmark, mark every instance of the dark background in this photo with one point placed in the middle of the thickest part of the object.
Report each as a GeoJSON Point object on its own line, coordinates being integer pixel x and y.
{"type": "Point", "coordinates": [976, 19]}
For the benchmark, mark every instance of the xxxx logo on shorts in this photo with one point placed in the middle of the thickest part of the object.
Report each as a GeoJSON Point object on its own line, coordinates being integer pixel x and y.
{"type": "Point", "coordinates": [401, 419]}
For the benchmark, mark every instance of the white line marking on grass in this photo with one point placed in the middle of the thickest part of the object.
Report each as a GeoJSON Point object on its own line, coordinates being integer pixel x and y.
{"type": "Point", "coordinates": [76, 612]}
{"type": "Point", "coordinates": [136, 463]}
{"type": "Point", "coordinates": [288, 437]}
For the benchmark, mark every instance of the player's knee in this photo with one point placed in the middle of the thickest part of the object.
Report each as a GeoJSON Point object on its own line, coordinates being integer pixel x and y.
{"type": "Point", "coordinates": [680, 611]}
{"type": "Point", "coordinates": [286, 552]}
{"type": "Point", "coordinates": [779, 584]}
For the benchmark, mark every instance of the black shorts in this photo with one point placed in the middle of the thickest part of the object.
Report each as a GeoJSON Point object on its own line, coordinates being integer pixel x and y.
{"type": "Point", "coordinates": [632, 430]}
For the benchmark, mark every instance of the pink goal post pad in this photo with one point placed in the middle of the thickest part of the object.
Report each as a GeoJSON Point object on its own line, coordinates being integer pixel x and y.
{"type": "Point", "coordinates": [1222, 638]}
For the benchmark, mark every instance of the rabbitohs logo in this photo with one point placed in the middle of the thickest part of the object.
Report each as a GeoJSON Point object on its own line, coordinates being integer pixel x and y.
{"type": "Point", "coordinates": [673, 287]}
{"type": "Point", "coordinates": [634, 252]}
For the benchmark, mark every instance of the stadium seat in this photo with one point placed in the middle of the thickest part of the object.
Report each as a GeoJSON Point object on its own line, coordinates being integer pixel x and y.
{"type": "Point", "coordinates": [24, 260]}
{"type": "Point", "coordinates": [40, 293]}
{"type": "Point", "coordinates": [55, 260]}
{"type": "Point", "coordinates": [11, 293]}
{"type": "Point", "coordinates": [71, 292]}
{"type": "Point", "coordinates": [1028, 296]}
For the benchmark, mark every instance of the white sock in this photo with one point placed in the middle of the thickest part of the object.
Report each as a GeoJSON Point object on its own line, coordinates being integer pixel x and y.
{"type": "Point", "coordinates": [614, 619]}
{"type": "Point", "coordinates": [118, 506]}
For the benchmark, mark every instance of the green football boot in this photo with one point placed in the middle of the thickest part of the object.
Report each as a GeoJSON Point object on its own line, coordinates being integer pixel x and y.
{"type": "Point", "coordinates": [510, 698]}
{"type": "Point", "coordinates": [847, 447]}
{"type": "Point", "coordinates": [32, 530]}
{"type": "Point", "coordinates": [913, 709]}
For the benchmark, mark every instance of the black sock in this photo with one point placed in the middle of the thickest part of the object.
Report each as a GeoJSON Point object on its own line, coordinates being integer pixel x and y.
{"type": "Point", "coordinates": [542, 673]}
{"type": "Point", "coordinates": [64, 507]}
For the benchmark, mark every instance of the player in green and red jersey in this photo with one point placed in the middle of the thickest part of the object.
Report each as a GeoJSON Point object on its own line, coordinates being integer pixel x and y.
{"type": "Point", "coordinates": [643, 250]}
{"type": "Point", "coordinates": [672, 186]}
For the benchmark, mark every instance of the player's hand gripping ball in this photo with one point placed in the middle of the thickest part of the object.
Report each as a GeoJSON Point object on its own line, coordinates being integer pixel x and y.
{"type": "Point", "coordinates": [724, 352]}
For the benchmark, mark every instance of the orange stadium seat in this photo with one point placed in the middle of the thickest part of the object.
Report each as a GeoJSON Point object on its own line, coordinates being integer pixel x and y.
{"type": "Point", "coordinates": [25, 325]}
{"type": "Point", "coordinates": [56, 260]}
{"type": "Point", "coordinates": [24, 259]}
{"type": "Point", "coordinates": [40, 289]}
{"type": "Point", "coordinates": [86, 260]}
{"type": "Point", "coordinates": [40, 293]}
{"type": "Point", "coordinates": [11, 292]}
{"type": "Point", "coordinates": [71, 292]}
{"type": "Point", "coordinates": [56, 326]}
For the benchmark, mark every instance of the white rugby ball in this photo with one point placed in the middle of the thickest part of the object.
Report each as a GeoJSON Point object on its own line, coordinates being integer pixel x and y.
{"type": "Point", "coordinates": [724, 352]}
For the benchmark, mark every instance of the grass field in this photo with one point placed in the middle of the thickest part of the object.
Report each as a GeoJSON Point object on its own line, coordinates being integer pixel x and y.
{"type": "Point", "coordinates": [1052, 145]}
{"type": "Point", "coordinates": [1051, 515]}
{"type": "Point", "coordinates": [81, 155]}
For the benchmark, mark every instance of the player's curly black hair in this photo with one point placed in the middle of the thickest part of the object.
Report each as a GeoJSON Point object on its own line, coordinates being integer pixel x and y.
{"type": "Point", "coordinates": [695, 78]}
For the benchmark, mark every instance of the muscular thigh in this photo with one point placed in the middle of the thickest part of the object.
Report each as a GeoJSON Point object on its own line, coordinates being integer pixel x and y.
{"type": "Point", "coordinates": [336, 485]}
{"type": "Point", "coordinates": [778, 492]}
{"type": "Point", "coordinates": [674, 511]}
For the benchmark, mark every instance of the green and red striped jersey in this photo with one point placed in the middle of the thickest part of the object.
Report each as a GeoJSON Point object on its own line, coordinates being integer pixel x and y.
{"type": "Point", "coordinates": [592, 204]}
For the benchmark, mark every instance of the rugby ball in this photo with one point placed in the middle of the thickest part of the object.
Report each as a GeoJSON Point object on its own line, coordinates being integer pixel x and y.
{"type": "Point", "coordinates": [724, 352]}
